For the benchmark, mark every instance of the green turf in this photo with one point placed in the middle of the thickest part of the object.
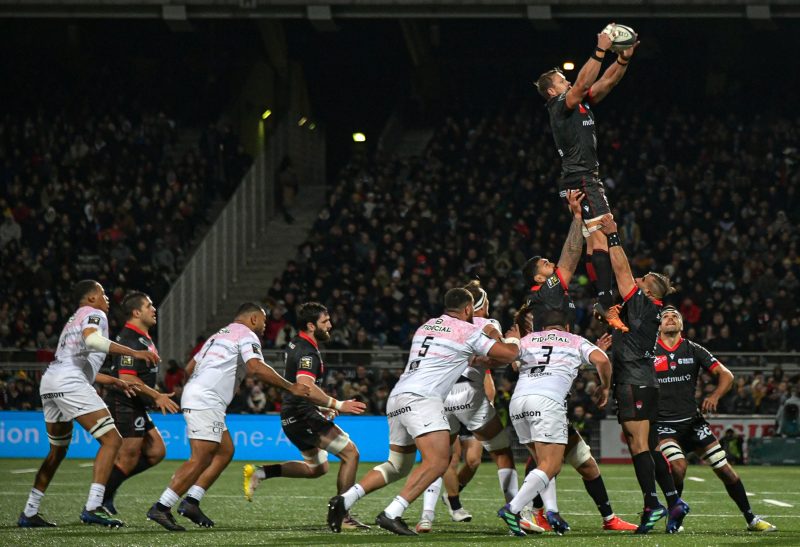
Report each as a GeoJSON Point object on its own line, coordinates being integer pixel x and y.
{"type": "Point", "coordinates": [292, 511]}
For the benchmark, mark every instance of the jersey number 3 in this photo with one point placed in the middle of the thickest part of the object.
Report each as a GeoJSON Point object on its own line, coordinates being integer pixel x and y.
{"type": "Point", "coordinates": [544, 362]}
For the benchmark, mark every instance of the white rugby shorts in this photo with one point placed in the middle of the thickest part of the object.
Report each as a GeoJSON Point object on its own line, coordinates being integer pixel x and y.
{"type": "Point", "coordinates": [64, 404]}
{"type": "Point", "coordinates": [411, 415]}
{"type": "Point", "coordinates": [207, 424]}
{"type": "Point", "coordinates": [467, 404]}
{"type": "Point", "coordinates": [537, 418]}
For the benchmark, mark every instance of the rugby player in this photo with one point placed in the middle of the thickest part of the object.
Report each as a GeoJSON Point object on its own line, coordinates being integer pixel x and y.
{"type": "Point", "coordinates": [440, 351]}
{"type": "Point", "coordinates": [549, 363]}
{"type": "Point", "coordinates": [142, 445]}
{"type": "Point", "coordinates": [468, 405]}
{"type": "Point", "coordinates": [307, 428]}
{"type": "Point", "coordinates": [215, 372]}
{"type": "Point", "coordinates": [635, 385]}
{"type": "Point", "coordinates": [573, 126]}
{"type": "Point", "coordinates": [681, 426]}
{"type": "Point", "coordinates": [68, 394]}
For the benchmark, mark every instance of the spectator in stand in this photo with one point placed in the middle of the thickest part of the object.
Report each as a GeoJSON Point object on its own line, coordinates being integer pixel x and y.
{"type": "Point", "coordinates": [743, 402]}
{"type": "Point", "coordinates": [733, 444]}
{"type": "Point", "coordinates": [174, 376]}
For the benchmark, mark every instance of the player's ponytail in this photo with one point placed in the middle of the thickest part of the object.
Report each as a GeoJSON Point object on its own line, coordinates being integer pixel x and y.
{"type": "Point", "coordinates": [521, 319]}
{"type": "Point", "coordinates": [661, 286]}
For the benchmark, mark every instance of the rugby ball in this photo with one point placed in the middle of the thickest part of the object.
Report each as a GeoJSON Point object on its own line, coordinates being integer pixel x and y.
{"type": "Point", "coordinates": [622, 37]}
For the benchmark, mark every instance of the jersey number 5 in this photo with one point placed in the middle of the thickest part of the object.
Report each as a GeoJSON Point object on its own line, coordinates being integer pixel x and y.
{"type": "Point", "coordinates": [426, 345]}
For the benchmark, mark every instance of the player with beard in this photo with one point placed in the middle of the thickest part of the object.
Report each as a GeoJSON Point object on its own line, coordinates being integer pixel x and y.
{"type": "Point", "coordinates": [681, 425]}
{"type": "Point", "coordinates": [312, 432]}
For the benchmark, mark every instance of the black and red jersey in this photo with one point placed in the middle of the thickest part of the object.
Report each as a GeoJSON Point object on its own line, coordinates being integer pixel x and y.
{"type": "Point", "coordinates": [553, 294]}
{"type": "Point", "coordinates": [676, 369]}
{"type": "Point", "coordinates": [634, 350]}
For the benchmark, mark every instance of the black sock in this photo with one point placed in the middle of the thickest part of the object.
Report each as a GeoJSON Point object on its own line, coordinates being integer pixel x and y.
{"type": "Point", "coordinates": [461, 487]}
{"type": "Point", "coordinates": [597, 490]}
{"type": "Point", "coordinates": [115, 479]}
{"type": "Point", "coordinates": [664, 477]}
{"type": "Point", "coordinates": [141, 465]}
{"type": "Point", "coordinates": [737, 493]}
{"type": "Point", "coordinates": [538, 502]}
{"type": "Point", "coordinates": [679, 487]}
{"type": "Point", "coordinates": [191, 500]}
{"type": "Point", "coordinates": [645, 474]}
{"type": "Point", "coordinates": [605, 277]}
{"type": "Point", "coordinates": [455, 502]}
{"type": "Point", "coordinates": [530, 465]}
{"type": "Point", "coordinates": [272, 471]}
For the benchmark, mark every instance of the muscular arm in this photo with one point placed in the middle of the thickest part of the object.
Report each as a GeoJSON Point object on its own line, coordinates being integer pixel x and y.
{"type": "Point", "coordinates": [267, 374]}
{"type": "Point", "coordinates": [602, 87]}
{"type": "Point", "coordinates": [488, 387]}
{"type": "Point", "coordinates": [587, 75]}
{"type": "Point", "coordinates": [119, 349]}
{"type": "Point", "coordinates": [571, 251]}
{"type": "Point", "coordinates": [603, 366]}
{"type": "Point", "coordinates": [619, 260]}
{"type": "Point", "coordinates": [724, 383]}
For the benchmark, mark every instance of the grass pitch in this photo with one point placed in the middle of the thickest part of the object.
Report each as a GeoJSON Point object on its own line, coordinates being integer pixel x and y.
{"type": "Point", "coordinates": [292, 511]}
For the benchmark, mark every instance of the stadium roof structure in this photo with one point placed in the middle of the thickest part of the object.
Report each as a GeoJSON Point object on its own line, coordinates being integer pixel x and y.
{"type": "Point", "coordinates": [328, 11]}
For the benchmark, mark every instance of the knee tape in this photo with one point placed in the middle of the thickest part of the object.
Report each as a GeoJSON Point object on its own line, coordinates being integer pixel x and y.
{"type": "Point", "coordinates": [672, 451]}
{"type": "Point", "coordinates": [338, 444]}
{"type": "Point", "coordinates": [580, 454]}
{"type": "Point", "coordinates": [499, 442]}
{"type": "Point", "coordinates": [60, 440]}
{"type": "Point", "coordinates": [103, 426]}
{"type": "Point", "coordinates": [715, 457]}
{"type": "Point", "coordinates": [398, 466]}
{"type": "Point", "coordinates": [317, 459]}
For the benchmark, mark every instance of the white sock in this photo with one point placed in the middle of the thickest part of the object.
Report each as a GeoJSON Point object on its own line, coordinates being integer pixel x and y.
{"type": "Point", "coordinates": [96, 492]}
{"type": "Point", "coordinates": [355, 493]}
{"type": "Point", "coordinates": [430, 498]}
{"type": "Point", "coordinates": [534, 483]}
{"type": "Point", "coordinates": [34, 500]}
{"type": "Point", "coordinates": [509, 482]}
{"type": "Point", "coordinates": [196, 492]}
{"type": "Point", "coordinates": [550, 497]}
{"type": "Point", "coordinates": [168, 498]}
{"type": "Point", "coordinates": [260, 473]}
{"type": "Point", "coordinates": [396, 508]}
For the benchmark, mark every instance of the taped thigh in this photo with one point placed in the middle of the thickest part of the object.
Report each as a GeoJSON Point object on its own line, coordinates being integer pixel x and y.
{"type": "Point", "coordinates": [397, 466]}
{"type": "Point", "coordinates": [580, 454]}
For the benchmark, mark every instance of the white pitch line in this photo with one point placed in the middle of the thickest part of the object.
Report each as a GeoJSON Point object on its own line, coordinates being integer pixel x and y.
{"type": "Point", "coordinates": [778, 503]}
{"type": "Point", "coordinates": [26, 470]}
{"type": "Point", "coordinates": [91, 464]}
{"type": "Point", "coordinates": [696, 479]}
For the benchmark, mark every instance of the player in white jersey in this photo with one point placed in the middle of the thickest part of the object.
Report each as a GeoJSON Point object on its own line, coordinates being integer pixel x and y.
{"type": "Point", "coordinates": [67, 395]}
{"type": "Point", "coordinates": [468, 405]}
{"type": "Point", "coordinates": [550, 360]}
{"type": "Point", "coordinates": [440, 351]}
{"type": "Point", "coordinates": [215, 372]}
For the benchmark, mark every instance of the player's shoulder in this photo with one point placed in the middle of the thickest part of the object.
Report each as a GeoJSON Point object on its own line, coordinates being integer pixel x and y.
{"type": "Point", "coordinates": [93, 315]}
{"type": "Point", "coordinates": [301, 346]}
{"type": "Point", "coordinates": [128, 336]}
{"type": "Point", "coordinates": [694, 347]}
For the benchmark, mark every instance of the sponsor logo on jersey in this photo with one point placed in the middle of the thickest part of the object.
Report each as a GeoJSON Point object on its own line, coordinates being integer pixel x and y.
{"type": "Point", "coordinates": [144, 341]}
{"type": "Point", "coordinates": [552, 281]}
{"type": "Point", "coordinates": [399, 411]}
{"type": "Point", "coordinates": [126, 360]}
{"type": "Point", "coordinates": [686, 361]}
{"type": "Point", "coordinates": [256, 349]}
{"type": "Point", "coordinates": [436, 328]}
{"type": "Point", "coordinates": [52, 395]}
{"type": "Point", "coordinates": [305, 362]}
{"type": "Point", "coordinates": [675, 379]}
{"type": "Point", "coordinates": [673, 365]}
{"type": "Point", "coordinates": [224, 330]}
{"type": "Point", "coordinates": [552, 337]}
{"type": "Point", "coordinates": [94, 320]}
{"type": "Point", "coordinates": [588, 123]}
{"type": "Point", "coordinates": [661, 363]}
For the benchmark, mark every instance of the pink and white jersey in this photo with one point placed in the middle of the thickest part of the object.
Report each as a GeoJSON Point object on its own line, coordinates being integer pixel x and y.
{"type": "Point", "coordinates": [74, 362]}
{"type": "Point", "coordinates": [475, 374]}
{"type": "Point", "coordinates": [550, 362]}
{"type": "Point", "coordinates": [440, 351]}
{"type": "Point", "coordinates": [220, 367]}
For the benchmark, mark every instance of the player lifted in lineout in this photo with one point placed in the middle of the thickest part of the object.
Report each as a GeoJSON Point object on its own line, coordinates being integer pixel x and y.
{"type": "Point", "coordinates": [573, 125]}
{"type": "Point", "coordinates": [680, 425]}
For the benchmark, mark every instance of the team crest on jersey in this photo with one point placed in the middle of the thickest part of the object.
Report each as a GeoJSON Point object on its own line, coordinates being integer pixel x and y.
{"type": "Point", "coordinates": [127, 360]}
{"type": "Point", "coordinates": [639, 405]}
{"type": "Point", "coordinates": [552, 281]}
{"type": "Point", "coordinates": [305, 362]}
{"type": "Point", "coordinates": [673, 365]}
{"type": "Point", "coordinates": [256, 349]}
{"type": "Point", "coordinates": [224, 330]}
{"type": "Point", "coordinates": [94, 320]}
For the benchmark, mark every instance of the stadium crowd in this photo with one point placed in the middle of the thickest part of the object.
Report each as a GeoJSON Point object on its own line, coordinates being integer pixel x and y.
{"type": "Point", "coordinates": [98, 193]}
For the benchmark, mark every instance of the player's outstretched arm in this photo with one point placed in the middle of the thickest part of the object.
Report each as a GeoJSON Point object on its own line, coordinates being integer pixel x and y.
{"type": "Point", "coordinates": [506, 350]}
{"type": "Point", "coordinates": [320, 398]}
{"type": "Point", "coordinates": [97, 342]}
{"type": "Point", "coordinates": [131, 390]}
{"type": "Point", "coordinates": [612, 76]}
{"type": "Point", "coordinates": [603, 366]}
{"type": "Point", "coordinates": [572, 250]}
{"type": "Point", "coordinates": [162, 401]}
{"type": "Point", "coordinates": [724, 384]}
{"type": "Point", "coordinates": [589, 71]}
{"type": "Point", "coordinates": [619, 260]}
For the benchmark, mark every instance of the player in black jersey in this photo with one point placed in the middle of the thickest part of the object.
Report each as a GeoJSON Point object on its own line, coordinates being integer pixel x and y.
{"type": "Point", "coordinates": [579, 456]}
{"type": "Point", "coordinates": [573, 126]}
{"type": "Point", "coordinates": [635, 386]}
{"type": "Point", "coordinates": [680, 425]}
{"type": "Point", "coordinates": [312, 432]}
{"type": "Point", "coordinates": [142, 445]}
